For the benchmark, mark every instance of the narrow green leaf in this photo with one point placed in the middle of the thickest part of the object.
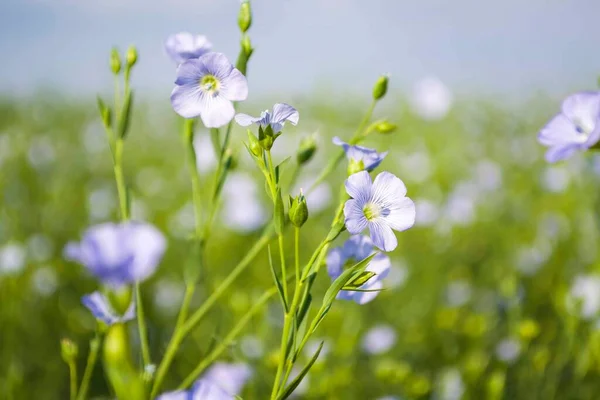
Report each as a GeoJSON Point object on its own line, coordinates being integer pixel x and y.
{"type": "Point", "coordinates": [215, 139]}
{"type": "Point", "coordinates": [125, 115]}
{"type": "Point", "coordinates": [279, 168]}
{"type": "Point", "coordinates": [344, 278]}
{"type": "Point", "coordinates": [279, 213]}
{"type": "Point", "coordinates": [336, 229]}
{"type": "Point", "coordinates": [304, 307]}
{"type": "Point", "coordinates": [294, 384]}
{"type": "Point", "coordinates": [360, 280]}
{"type": "Point", "coordinates": [277, 281]}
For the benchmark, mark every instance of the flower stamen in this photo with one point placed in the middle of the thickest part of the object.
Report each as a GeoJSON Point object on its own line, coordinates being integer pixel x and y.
{"type": "Point", "coordinates": [371, 211]}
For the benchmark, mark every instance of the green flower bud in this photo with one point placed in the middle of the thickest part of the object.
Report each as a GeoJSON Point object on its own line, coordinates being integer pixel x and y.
{"type": "Point", "coordinates": [247, 46]}
{"type": "Point", "coordinates": [355, 166]}
{"type": "Point", "coordinates": [131, 57]}
{"type": "Point", "coordinates": [68, 350]}
{"type": "Point", "coordinates": [308, 147]}
{"type": "Point", "coordinates": [298, 210]}
{"type": "Point", "coordinates": [385, 127]}
{"type": "Point", "coordinates": [254, 145]}
{"type": "Point", "coordinates": [245, 16]}
{"type": "Point", "coordinates": [380, 88]}
{"type": "Point", "coordinates": [115, 61]}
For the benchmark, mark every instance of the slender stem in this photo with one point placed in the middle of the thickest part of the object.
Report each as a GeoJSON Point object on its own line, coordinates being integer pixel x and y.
{"type": "Point", "coordinates": [89, 367]}
{"type": "Point", "coordinates": [217, 351]}
{"type": "Point", "coordinates": [297, 254]}
{"type": "Point", "coordinates": [142, 326]}
{"type": "Point", "coordinates": [73, 379]}
{"type": "Point", "coordinates": [117, 95]}
{"type": "Point", "coordinates": [185, 305]}
{"type": "Point", "coordinates": [197, 316]}
{"type": "Point", "coordinates": [283, 268]}
{"type": "Point", "coordinates": [194, 174]}
{"type": "Point", "coordinates": [120, 178]}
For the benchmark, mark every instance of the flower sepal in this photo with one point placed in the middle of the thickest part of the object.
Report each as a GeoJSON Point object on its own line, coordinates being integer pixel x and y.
{"type": "Point", "coordinates": [355, 166]}
{"type": "Point", "coordinates": [298, 210]}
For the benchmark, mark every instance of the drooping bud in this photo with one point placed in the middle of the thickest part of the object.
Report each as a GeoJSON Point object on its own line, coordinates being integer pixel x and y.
{"type": "Point", "coordinates": [131, 57]}
{"type": "Point", "coordinates": [115, 61]}
{"type": "Point", "coordinates": [380, 88]}
{"type": "Point", "coordinates": [355, 166]}
{"type": "Point", "coordinates": [68, 350]}
{"type": "Point", "coordinates": [245, 16]}
{"type": "Point", "coordinates": [254, 145]}
{"type": "Point", "coordinates": [298, 210]}
{"type": "Point", "coordinates": [385, 127]}
{"type": "Point", "coordinates": [308, 147]}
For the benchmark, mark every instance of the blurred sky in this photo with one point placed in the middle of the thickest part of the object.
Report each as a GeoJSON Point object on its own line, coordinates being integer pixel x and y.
{"type": "Point", "coordinates": [508, 47]}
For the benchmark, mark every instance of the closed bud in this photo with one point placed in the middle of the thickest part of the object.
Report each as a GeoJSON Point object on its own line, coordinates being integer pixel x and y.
{"type": "Point", "coordinates": [247, 46]}
{"type": "Point", "coordinates": [308, 147]}
{"type": "Point", "coordinates": [115, 61]}
{"type": "Point", "coordinates": [254, 145]}
{"type": "Point", "coordinates": [385, 127]}
{"type": "Point", "coordinates": [298, 210]}
{"type": "Point", "coordinates": [245, 16]}
{"type": "Point", "coordinates": [355, 166]}
{"type": "Point", "coordinates": [380, 88]}
{"type": "Point", "coordinates": [68, 350]}
{"type": "Point", "coordinates": [131, 57]}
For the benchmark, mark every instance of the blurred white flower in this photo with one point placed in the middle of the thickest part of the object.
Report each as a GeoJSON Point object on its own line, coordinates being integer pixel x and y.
{"type": "Point", "coordinates": [450, 385]}
{"type": "Point", "coordinates": [379, 339]}
{"type": "Point", "coordinates": [488, 175]}
{"type": "Point", "coordinates": [12, 259]}
{"type": "Point", "coordinates": [460, 209]}
{"type": "Point", "coordinates": [94, 138]}
{"type": "Point", "coordinates": [206, 159]}
{"type": "Point", "coordinates": [556, 179]}
{"type": "Point", "coordinates": [101, 203]}
{"type": "Point", "coordinates": [397, 275]}
{"type": "Point", "coordinates": [41, 152]}
{"type": "Point", "coordinates": [584, 296]}
{"type": "Point", "coordinates": [40, 247]}
{"type": "Point", "coordinates": [44, 281]}
{"type": "Point", "coordinates": [530, 259]}
{"type": "Point", "coordinates": [168, 296]}
{"type": "Point", "coordinates": [458, 293]}
{"type": "Point", "coordinates": [431, 99]}
{"type": "Point", "coordinates": [183, 221]}
{"type": "Point", "coordinates": [252, 346]}
{"type": "Point", "coordinates": [318, 199]}
{"type": "Point", "coordinates": [508, 350]}
{"type": "Point", "coordinates": [427, 212]}
{"type": "Point", "coordinates": [243, 209]}
{"type": "Point", "coordinates": [417, 166]}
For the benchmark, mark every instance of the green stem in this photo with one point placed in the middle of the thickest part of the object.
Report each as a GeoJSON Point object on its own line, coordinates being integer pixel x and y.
{"type": "Point", "coordinates": [142, 326]}
{"type": "Point", "coordinates": [283, 268]}
{"type": "Point", "coordinates": [120, 178]}
{"type": "Point", "coordinates": [197, 316]}
{"type": "Point", "coordinates": [297, 254]}
{"type": "Point", "coordinates": [185, 305]}
{"type": "Point", "coordinates": [195, 176]}
{"type": "Point", "coordinates": [89, 367]}
{"type": "Point", "coordinates": [208, 360]}
{"type": "Point", "coordinates": [73, 379]}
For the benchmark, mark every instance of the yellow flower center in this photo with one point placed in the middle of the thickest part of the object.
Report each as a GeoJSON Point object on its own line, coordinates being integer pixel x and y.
{"type": "Point", "coordinates": [209, 83]}
{"type": "Point", "coordinates": [371, 211]}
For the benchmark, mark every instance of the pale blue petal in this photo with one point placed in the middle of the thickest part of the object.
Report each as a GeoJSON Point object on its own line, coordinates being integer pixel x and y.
{"type": "Point", "coordinates": [205, 389]}
{"type": "Point", "coordinates": [234, 87]}
{"type": "Point", "coordinates": [583, 109]}
{"type": "Point", "coordinates": [231, 377]}
{"type": "Point", "coordinates": [284, 112]}
{"type": "Point", "coordinates": [215, 111]}
{"type": "Point", "coordinates": [189, 73]}
{"type": "Point", "coordinates": [245, 119]}
{"type": "Point", "coordinates": [184, 45]}
{"type": "Point", "coordinates": [561, 152]}
{"type": "Point", "coordinates": [217, 64]}
{"type": "Point", "coordinates": [72, 252]}
{"type": "Point", "coordinates": [345, 295]}
{"type": "Point", "coordinates": [401, 214]}
{"type": "Point", "coordinates": [148, 245]}
{"type": "Point", "coordinates": [100, 308]}
{"type": "Point", "coordinates": [358, 247]}
{"type": "Point", "coordinates": [382, 235]}
{"type": "Point", "coordinates": [365, 297]}
{"type": "Point", "coordinates": [559, 130]}
{"type": "Point", "coordinates": [178, 395]}
{"type": "Point", "coordinates": [358, 186]}
{"type": "Point", "coordinates": [335, 262]}
{"type": "Point", "coordinates": [186, 100]}
{"type": "Point", "coordinates": [355, 219]}
{"type": "Point", "coordinates": [339, 142]}
{"type": "Point", "coordinates": [381, 265]}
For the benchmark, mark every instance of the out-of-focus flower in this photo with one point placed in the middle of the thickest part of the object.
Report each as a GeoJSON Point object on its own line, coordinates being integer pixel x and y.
{"type": "Point", "coordinates": [12, 259]}
{"type": "Point", "coordinates": [206, 159]}
{"type": "Point", "coordinates": [458, 293]}
{"type": "Point", "coordinates": [450, 385]}
{"type": "Point", "coordinates": [417, 165]}
{"type": "Point", "coordinates": [431, 99]}
{"type": "Point", "coordinates": [243, 209]}
{"type": "Point", "coordinates": [281, 113]}
{"type": "Point", "coordinates": [427, 212]}
{"type": "Point", "coordinates": [119, 254]}
{"type": "Point", "coordinates": [252, 347]}
{"type": "Point", "coordinates": [230, 377]}
{"type": "Point", "coordinates": [360, 158]}
{"type": "Point", "coordinates": [574, 129]}
{"type": "Point", "coordinates": [355, 249]}
{"type": "Point", "coordinates": [584, 296]}
{"type": "Point", "coordinates": [183, 46]}
{"type": "Point", "coordinates": [379, 339]}
{"type": "Point", "coordinates": [380, 205]}
{"type": "Point", "coordinates": [206, 87]}
{"type": "Point", "coordinates": [101, 308]}
{"type": "Point", "coordinates": [556, 179]}
{"type": "Point", "coordinates": [40, 247]}
{"type": "Point", "coordinates": [508, 350]}
{"type": "Point", "coordinates": [44, 281]}
{"type": "Point", "coordinates": [202, 389]}
{"type": "Point", "coordinates": [167, 296]}
{"type": "Point", "coordinates": [488, 175]}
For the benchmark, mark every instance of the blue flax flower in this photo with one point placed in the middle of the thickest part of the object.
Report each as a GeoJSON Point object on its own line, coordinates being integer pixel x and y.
{"type": "Point", "coordinates": [355, 249]}
{"type": "Point", "coordinates": [281, 113]}
{"type": "Point", "coordinates": [101, 308]}
{"type": "Point", "coordinates": [183, 46]}
{"type": "Point", "coordinates": [379, 205]}
{"type": "Point", "coordinates": [575, 128]}
{"type": "Point", "coordinates": [370, 158]}
{"type": "Point", "coordinates": [222, 381]}
{"type": "Point", "coordinates": [206, 87]}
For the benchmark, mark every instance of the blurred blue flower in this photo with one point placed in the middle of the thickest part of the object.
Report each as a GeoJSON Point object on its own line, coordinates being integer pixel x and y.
{"type": "Point", "coordinates": [100, 307]}
{"type": "Point", "coordinates": [119, 254]}
{"type": "Point", "coordinates": [355, 249]}
{"type": "Point", "coordinates": [379, 339]}
{"type": "Point", "coordinates": [183, 46]}
{"type": "Point", "coordinates": [370, 158]}
{"type": "Point", "coordinates": [206, 87]}
{"type": "Point", "coordinates": [281, 113]}
{"type": "Point", "coordinates": [222, 381]}
{"type": "Point", "coordinates": [381, 206]}
{"type": "Point", "coordinates": [575, 128]}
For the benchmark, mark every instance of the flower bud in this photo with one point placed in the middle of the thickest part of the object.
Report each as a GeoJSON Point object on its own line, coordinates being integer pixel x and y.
{"type": "Point", "coordinates": [380, 88]}
{"type": "Point", "coordinates": [254, 145]}
{"type": "Point", "coordinates": [245, 16]}
{"type": "Point", "coordinates": [115, 61]}
{"type": "Point", "coordinates": [308, 147]}
{"type": "Point", "coordinates": [131, 57]}
{"type": "Point", "coordinates": [298, 210]}
{"type": "Point", "coordinates": [247, 46]}
{"type": "Point", "coordinates": [68, 350]}
{"type": "Point", "coordinates": [385, 127]}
